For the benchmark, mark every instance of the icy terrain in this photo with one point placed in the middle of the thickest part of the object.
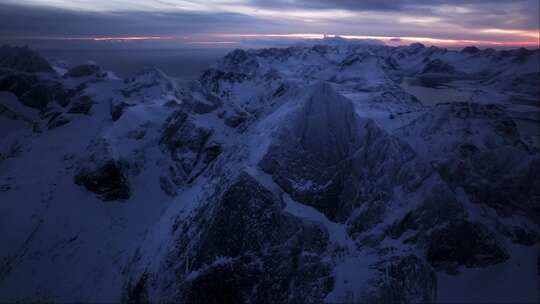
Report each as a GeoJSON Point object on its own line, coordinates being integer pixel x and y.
{"type": "Point", "coordinates": [339, 173]}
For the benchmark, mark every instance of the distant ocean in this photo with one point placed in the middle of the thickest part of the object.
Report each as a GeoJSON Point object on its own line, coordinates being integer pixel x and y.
{"type": "Point", "coordinates": [184, 64]}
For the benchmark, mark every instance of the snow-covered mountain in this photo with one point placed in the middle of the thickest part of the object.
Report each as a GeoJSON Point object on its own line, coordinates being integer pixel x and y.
{"type": "Point", "coordinates": [339, 173]}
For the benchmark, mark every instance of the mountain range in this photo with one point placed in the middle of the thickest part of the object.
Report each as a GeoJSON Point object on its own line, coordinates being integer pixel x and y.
{"type": "Point", "coordinates": [326, 173]}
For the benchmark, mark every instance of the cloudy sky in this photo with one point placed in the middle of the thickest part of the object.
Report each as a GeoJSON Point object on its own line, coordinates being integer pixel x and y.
{"type": "Point", "coordinates": [215, 22]}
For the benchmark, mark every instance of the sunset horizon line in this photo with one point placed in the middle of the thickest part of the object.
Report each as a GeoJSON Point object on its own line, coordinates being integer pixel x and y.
{"type": "Point", "coordinates": [214, 38]}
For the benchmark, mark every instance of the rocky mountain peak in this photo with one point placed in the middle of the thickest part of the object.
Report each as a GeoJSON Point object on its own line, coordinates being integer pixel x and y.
{"type": "Point", "coordinates": [326, 123]}
{"type": "Point", "coordinates": [23, 59]}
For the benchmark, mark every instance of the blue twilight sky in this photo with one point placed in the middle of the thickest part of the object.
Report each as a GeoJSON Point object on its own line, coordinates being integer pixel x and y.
{"type": "Point", "coordinates": [223, 22]}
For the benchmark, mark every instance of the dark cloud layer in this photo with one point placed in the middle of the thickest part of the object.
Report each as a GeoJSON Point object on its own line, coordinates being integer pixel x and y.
{"type": "Point", "coordinates": [29, 21]}
{"type": "Point", "coordinates": [447, 19]}
{"type": "Point", "coordinates": [523, 14]}
{"type": "Point", "coordinates": [380, 4]}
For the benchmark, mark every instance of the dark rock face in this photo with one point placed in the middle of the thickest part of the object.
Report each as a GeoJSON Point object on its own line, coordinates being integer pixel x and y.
{"type": "Point", "coordinates": [33, 91]}
{"type": "Point", "coordinates": [213, 78]}
{"type": "Point", "coordinates": [117, 109]}
{"type": "Point", "coordinates": [23, 59]}
{"type": "Point", "coordinates": [439, 66]}
{"type": "Point", "coordinates": [180, 133]}
{"type": "Point", "coordinates": [403, 279]}
{"type": "Point", "coordinates": [167, 186]}
{"type": "Point", "coordinates": [138, 294]}
{"type": "Point", "coordinates": [203, 104]}
{"type": "Point", "coordinates": [525, 237]}
{"type": "Point", "coordinates": [57, 119]}
{"type": "Point", "coordinates": [236, 67]}
{"type": "Point", "coordinates": [479, 149]}
{"type": "Point", "coordinates": [5, 112]}
{"type": "Point", "coordinates": [489, 122]}
{"type": "Point", "coordinates": [230, 282]}
{"type": "Point", "coordinates": [330, 131]}
{"type": "Point", "coordinates": [471, 50]}
{"type": "Point", "coordinates": [108, 180]}
{"type": "Point", "coordinates": [242, 248]}
{"type": "Point", "coordinates": [43, 93]}
{"type": "Point", "coordinates": [234, 119]}
{"type": "Point", "coordinates": [81, 105]}
{"type": "Point", "coordinates": [240, 61]}
{"type": "Point", "coordinates": [311, 150]}
{"type": "Point", "coordinates": [83, 71]}
{"type": "Point", "coordinates": [438, 208]}
{"type": "Point", "coordinates": [352, 59]}
{"type": "Point", "coordinates": [185, 142]}
{"type": "Point", "coordinates": [211, 152]}
{"type": "Point", "coordinates": [484, 176]}
{"type": "Point", "coordinates": [523, 83]}
{"type": "Point", "coordinates": [464, 243]}
{"type": "Point", "coordinates": [522, 235]}
{"type": "Point", "coordinates": [369, 216]}
{"type": "Point", "coordinates": [273, 279]}
{"type": "Point", "coordinates": [345, 159]}
{"type": "Point", "coordinates": [16, 82]}
{"type": "Point", "coordinates": [257, 220]}
{"type": "Point", "coordinates": [147, 79]}
{"type": "Point", "coordinates": [518, 55]}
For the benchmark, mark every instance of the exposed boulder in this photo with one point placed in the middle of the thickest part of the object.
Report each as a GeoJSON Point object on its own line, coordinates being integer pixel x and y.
{"type": "Point", "coordinates": [56, 119]}
{"type": "Point", "coordinates": [211, 152]}
{"type": "Point", "coordinates": [233, 118]}
{"type": "Point", "coordinates": [118, 109]}
{"type": "Point", "coordinates": [108, 180]}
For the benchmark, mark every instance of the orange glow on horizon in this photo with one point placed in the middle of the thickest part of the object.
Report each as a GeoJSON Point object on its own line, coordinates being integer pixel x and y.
{"type": "Point", "coordinates": [529, 34]}
{"type": "Point", "coordinates": [225, 39]}
{"type": "Point", "coordinates": [394, 39]}
{"type": "Point", "coordinates": [131, 38]}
